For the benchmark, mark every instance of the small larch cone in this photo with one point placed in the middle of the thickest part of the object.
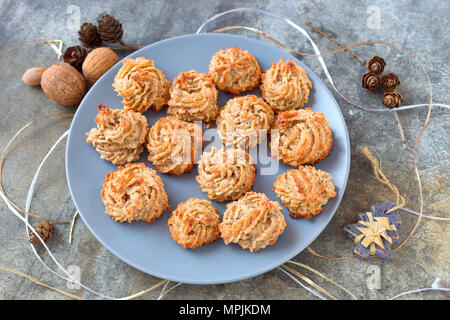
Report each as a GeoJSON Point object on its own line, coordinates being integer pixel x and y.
{"type": "Point", "coordinates": [390, 81]}
{"type": "Point", "coordinates": [110, 29]}
{"type": "Point", "coordinates": [392, 99]}
{"type": "Point", "coordinates": [88, 35]}
{"type": "Point", "coordinates": [376, 65]}
{"type": "Point", "coordinates": [45, 229]}
{"type": "Point", "coordinates": [75, 56]}
{"type": "Point", "coordinates": [370, 81]}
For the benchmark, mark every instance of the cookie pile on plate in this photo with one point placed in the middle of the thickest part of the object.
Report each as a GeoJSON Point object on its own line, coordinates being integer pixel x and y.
{"type": "Point", "coordinates": [299, 137]}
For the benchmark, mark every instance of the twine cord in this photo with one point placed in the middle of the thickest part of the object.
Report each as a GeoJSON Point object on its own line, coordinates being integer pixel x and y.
{"type": "Point", "coordinates": [381, 177]}
{"type": "Point", "coordinates": [323, 276]}
{"type": "Point", "coordinates": [330, 37]}
{"type": "Point", "coordinates": [4, 155]}
{"type": "Point", "coordinates": [308, 281]}
{"type": "Point", "coordinates": [419, 290]}
{"type": "Point", "coordinates": [51, 43]}
{"type": "Point", "coordinates": [162, 295]}
{"type": "Point", "coordinates": [37, 281]}
{"type": "Point", "coordinates": [72, 226]}
{"type": "Point", "coordinates": [302, 285]}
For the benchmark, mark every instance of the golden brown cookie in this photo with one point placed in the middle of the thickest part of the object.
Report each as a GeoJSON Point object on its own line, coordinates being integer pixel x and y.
{"type": "Point", "coordinates": [234, 70]}
{"type": "Point", "coordinates": [141, 85]}
{"type": "Point", "coordinates": [301, 137]}
{"type": "Point", "coordinates": [119, 136]}
{"type": "Point", "coordinates": [285, 86]}
{"type": "Point", "coordinates": [193, 96]}
{"type": "Point", "coordinates": [244, 121]}
{"type": "Point", "coordinates": [304, 190]}
{"type": "Point", "coordinates": [174, 145]}
{"type": "Point", "coordinates": [134, 192]}
{"type": "Point", "coordinates": [253, 222]}
{"type": "Point", "coordinates": [226, 174]}
{"type": "Point", "coordinates": [194, 223]}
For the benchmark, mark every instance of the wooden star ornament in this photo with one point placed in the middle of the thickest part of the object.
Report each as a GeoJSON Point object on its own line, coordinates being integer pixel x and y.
{"type": "Point", "coordinates": [375, 232]}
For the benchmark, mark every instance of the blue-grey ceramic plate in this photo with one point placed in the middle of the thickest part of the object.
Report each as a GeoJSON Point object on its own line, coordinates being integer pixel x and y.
{"type": "Point", "coordinates": [148, 246]}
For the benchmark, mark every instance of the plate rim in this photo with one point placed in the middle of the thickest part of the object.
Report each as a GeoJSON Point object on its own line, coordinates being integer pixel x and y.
{"type": "Point", "coordinates": [238, 277]}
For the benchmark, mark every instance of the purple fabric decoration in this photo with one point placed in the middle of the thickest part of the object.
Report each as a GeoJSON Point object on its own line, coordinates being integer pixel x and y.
{"type": "Point", "coordinates": [353, 231]}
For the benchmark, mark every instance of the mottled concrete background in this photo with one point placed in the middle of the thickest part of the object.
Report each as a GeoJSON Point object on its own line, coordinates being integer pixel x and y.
{"type": "Point", "coordinates": [420, 26]}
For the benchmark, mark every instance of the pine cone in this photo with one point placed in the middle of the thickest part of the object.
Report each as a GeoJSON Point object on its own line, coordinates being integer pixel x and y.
{"type": "Point", "coordinates": [390, 81]}
{"type": "Point", "coordinates": [75, 56]}
{"type": "Point", "coordinates": [370, 81]}
{"type": "Point", "coordinates": [376, 65]}
{"type": "Point", "coordinates": [45, 230]}
{"type": "Point", "coordinates": [392, 99]}
{"type": "Point", "coordinates": [109, 29]}
{"type": "Point", "coordinates": [88, 35]}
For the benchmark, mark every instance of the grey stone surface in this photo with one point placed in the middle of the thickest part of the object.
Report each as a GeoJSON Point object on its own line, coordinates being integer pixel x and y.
{"type": "Point", "coordinates": [419, 26]}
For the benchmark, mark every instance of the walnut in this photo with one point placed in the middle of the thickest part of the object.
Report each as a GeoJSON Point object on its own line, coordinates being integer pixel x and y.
{"type": "Point", "coordinates": [97, 62]}
{"type": "Point", "coordinates": [64, 84]}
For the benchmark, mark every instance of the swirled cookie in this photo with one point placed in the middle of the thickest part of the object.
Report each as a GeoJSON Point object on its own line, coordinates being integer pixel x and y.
{"type": "Point", "coordinates": [304, 190]}
{"type": "Point", "coordinates": [194, 223]}
{"type": "Point", "coordinates": [301, 137]}
{"type": "Point", "coordinates": [119, 136]}
{"type": "Point", "coordinates": [193, 96]}
{"type": "Point", "coordinates": [285, 86]}
{"type": "Point", "coordinates": [134, 192]}
{"type": "Point", "coordinates": [244, 121]}
{"type": "Point", "coordinates": [141, 85]}
{"type": "Point", "coordinates": [234, 70]}
{"type": "Point", "coordinates": [253, 222]}
{"type": "Point", "coordinates": [174, 145]}
{"type": "Point", "coordinates": [226, 174]}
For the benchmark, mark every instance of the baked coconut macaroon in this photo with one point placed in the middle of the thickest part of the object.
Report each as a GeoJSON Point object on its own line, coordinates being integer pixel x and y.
{"type": "Point", "coordinates": [120, 135]}
{"type": "Point", "coordinates": [194, 223]}
{"type": "Point", "coordinates": [193, 97]}
{"type": "Point", "coordinates": [301, 137]}
{"type": "Point", "coordinates": [134, 192]}
{"type": "Point", "coordinates": [234, 70]}
{"type": "Point", "coordinates": [174, 145]}
{"type": "Point", "coordinates": [226, 174]}
{"type": "Point", "coordinates": [304, 190]}
{"type": "Point", "coordinates": [141, 85]}
{"type": "Point", "coordinates": [285, 86]}
{"type": "Point", "coordinates": [253, 222]}
{"type": "Point", "coordinates": [244, 121]}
